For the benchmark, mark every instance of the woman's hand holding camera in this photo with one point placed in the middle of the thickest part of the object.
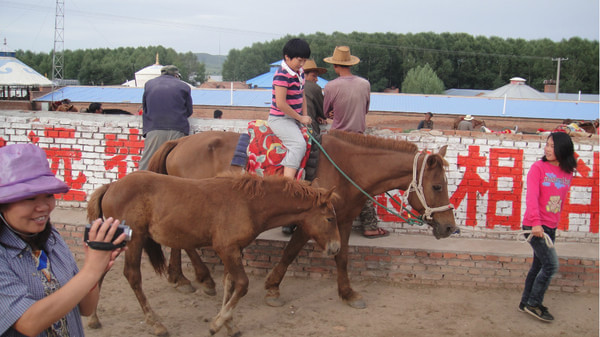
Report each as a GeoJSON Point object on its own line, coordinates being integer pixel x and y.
{"type": "Point", "coordinates": [101, 233]}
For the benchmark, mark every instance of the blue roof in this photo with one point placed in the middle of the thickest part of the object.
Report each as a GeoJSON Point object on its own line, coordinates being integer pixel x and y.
{"type": "Point", "coordinates": [265, 81]}
{"type": "Point", "coordinates": [439, 104]}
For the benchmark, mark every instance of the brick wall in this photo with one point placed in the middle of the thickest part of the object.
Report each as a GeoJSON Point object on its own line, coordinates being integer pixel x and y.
{"type": "Point", "coordinates": [395, 265]}
{"type": "Point", "coordinates": [486, 172]}
{"type": "Point", "coordinates": [486, 176]}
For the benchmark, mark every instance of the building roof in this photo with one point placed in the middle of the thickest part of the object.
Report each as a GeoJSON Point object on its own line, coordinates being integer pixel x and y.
{"type": "Point", "coordinates": [516, 89]}
{"type": "Point", "coordinates": [438, 104]}
{"type": "Point", "coordinates": [265, 81]}
{"type": "Point", "coordinates": [15, 72]}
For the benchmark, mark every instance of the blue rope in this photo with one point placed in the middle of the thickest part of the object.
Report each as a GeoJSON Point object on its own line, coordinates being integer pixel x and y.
{"type": "Point", "coordinates": [414, 220]}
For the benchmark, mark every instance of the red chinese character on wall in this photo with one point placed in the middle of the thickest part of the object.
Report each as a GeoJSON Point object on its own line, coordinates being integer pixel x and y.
{"type": "Point", "coordinates": [121, 149]}
{"type": "Point", "coordinates": [64, 156]}
{"type": "Point", "coordinates": [501, 195]}
{"type": "Point", "coordinates": [584, 177]}
{"type": "Point", "coordinates": [394, 203]}
{"type": "Point", "coordinates": [471, 186]}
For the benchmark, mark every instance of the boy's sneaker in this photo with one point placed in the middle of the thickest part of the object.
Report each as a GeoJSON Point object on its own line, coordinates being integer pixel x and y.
{"type": "Point", "coordinates": [540, 312]}
{"type": "Point", "coordinates": [522, 306]}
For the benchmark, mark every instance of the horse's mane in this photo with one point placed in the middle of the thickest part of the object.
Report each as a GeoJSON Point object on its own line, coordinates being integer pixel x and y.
{"type": "Point", "coordinates": [374, 142]}
{"type": "Point", "coordinates": [254, 186]}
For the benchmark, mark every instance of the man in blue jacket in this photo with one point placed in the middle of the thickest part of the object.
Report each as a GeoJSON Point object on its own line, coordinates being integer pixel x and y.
{"type": "Point", "coordinates": [167, 104]}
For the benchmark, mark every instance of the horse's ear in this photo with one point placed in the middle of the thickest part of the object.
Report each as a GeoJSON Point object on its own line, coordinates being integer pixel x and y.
{"type": "Point", "coordinates": [329, 193]}
{"type": "Point", "coordinates": [442, 151]}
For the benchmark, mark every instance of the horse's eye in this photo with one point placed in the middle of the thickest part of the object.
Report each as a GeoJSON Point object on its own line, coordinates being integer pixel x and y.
{"type": "Point", "coordinates": [437, 188]}
{"type": "Point", "coordinates": [330, 219]}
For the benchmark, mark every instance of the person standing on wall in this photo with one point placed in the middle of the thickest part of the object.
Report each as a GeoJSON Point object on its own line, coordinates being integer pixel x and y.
{"type": "Point", "coordinates": [167, 105]}
{"type": "Point", "coordinates": [548, 183]}
{"type": "Point", "coordinates": [346, 101]}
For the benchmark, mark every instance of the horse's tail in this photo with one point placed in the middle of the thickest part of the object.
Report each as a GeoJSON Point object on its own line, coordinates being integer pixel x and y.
{"type": "Point", "coordinates": [158, 162]}
{"type": "Point", "coordinates": [94, 206]}
{"type": "Point", "coordinates": [156, 256]}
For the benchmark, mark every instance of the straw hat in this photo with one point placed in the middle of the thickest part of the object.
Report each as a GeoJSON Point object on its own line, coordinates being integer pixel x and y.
{"type": "Point", "coordinates": [468, 118]}
{"type": "Point", "coordinates": [341, 56]}
{"type": "Point", "coordinates": [310, 65]}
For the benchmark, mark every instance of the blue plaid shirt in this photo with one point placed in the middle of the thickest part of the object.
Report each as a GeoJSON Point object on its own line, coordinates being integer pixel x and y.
{"type": "Point", "coordinates": [20, 284]}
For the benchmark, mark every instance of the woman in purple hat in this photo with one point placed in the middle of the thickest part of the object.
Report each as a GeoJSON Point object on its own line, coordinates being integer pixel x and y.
{"type": "Point", "coordinates": [42, 292]}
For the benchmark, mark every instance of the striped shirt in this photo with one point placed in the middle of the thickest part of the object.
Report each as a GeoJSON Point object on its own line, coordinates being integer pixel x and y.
{"type": "Point", "coordinates": [294, 82]}
{"type": "Point", "coordinates": [20, 284]}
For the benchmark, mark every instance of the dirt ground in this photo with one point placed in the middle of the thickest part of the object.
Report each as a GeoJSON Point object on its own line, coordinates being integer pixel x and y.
{"type": "Point", "coordinates": [313, 309]}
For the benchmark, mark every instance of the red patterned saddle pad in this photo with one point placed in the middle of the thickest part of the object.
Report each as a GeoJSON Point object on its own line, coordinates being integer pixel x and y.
{"type": "Point", "coordinates": [265, 150]}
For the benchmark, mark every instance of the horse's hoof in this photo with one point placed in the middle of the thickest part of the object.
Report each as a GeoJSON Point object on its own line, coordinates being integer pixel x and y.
{"type": "Point", "coordinates": [212, 332]}
{"type": "Point", "coordinates": [357, 303]}
{"type": "Point", "coordinates": [236, 334]}
{"type": "Point", "coordinates": [94, 324]}
{"type": "Point", "coordinates": [274, 301]}
{"type": "Point", "coordinates": [185, 288]}
{"type": "Point", "coordinates": [208, 290]}
{"type": "Point", "coordinates": [161, 331]}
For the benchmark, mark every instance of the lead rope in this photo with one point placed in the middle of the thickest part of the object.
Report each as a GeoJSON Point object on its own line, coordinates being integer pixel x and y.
{"type": "Point", "coordinates": [520, 234]}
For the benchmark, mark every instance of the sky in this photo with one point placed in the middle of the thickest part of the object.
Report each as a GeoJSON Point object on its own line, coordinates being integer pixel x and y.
{"type": "Point", "coordinates": [216, 26]}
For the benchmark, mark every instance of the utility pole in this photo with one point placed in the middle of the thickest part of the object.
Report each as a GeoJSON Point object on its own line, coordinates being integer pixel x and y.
{"type": "Point", "coordinates": [558, 72]}
{"type": "Point", "coordinates": [59, 43]}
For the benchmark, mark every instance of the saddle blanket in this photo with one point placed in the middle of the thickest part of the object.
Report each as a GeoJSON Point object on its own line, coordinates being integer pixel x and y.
{"type": "Point", "coordinates": [265, 150]}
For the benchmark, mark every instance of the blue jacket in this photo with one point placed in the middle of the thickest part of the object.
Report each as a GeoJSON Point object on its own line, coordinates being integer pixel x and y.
{"type": "Point", "coordinates": [167, 104]}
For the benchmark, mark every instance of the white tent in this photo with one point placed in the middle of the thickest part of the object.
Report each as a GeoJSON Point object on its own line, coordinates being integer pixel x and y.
{"type": "Point", "coordinates": [16, 73]}
{"type": "Point", "coordinates": [517, 89]}
{"type": "Point", "coordinates": [144, 75]}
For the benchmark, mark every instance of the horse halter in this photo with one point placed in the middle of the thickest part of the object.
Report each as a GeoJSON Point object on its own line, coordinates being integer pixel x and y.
{"type": "Point", "coordinates": [417, 187]}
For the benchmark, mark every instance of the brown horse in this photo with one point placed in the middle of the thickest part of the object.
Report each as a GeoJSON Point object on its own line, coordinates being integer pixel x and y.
{"type": "Point", "coordinates": [226, 213]}
{"type": "Point", "coordinates": [376, 164]}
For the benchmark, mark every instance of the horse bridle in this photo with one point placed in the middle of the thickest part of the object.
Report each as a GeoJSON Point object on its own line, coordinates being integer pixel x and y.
{"type": "Point", "coordinates": [417, 187]}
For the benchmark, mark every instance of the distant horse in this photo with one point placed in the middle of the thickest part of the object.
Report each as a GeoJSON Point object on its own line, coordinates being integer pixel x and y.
{"type": "Point", "coordinates": [376, 164]}
{"type": "Point", "coordinates": [226, 213]}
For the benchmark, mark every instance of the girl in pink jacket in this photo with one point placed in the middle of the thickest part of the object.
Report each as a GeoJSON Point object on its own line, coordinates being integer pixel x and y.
{"type": "Point", "coordinates": [548, 183]}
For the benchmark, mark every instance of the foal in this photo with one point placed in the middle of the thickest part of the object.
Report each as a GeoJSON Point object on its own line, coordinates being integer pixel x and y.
{"type": "Point", "coordinates": [226, 212]}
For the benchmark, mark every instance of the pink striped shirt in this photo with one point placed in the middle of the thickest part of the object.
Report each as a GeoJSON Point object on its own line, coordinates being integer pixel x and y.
{"type": "Point", "coordinates": [294, 82]}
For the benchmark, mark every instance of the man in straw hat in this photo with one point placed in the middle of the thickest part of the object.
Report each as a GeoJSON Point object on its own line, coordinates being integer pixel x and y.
{"type": "Point", "coordinates": [314, 95]}
{"type": "Point", "coordinates": [346, 101]}
{"type": "Point", "coordinates": [466, 124]}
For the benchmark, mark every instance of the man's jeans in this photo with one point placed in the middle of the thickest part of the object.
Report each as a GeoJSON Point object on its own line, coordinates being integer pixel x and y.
{"type": "Point", "coordinates": [544, 266]}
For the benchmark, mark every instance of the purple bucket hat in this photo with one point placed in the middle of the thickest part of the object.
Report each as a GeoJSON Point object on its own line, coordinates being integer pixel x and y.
{"type": "Point", "coordinates": [25, 173]}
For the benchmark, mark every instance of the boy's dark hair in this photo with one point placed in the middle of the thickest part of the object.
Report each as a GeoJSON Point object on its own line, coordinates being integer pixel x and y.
{"type": "Point", "coordinates": [93, 107]}
{"type": "Point", "coordinates": [564, 151]}
{"type": "Point", "coordinates": [217, 114]}
{"type": "Point", "coordinates": [296, 48]}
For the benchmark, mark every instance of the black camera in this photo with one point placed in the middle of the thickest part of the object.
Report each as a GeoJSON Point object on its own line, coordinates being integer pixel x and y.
{"type": "Point", "coordinates": [122, 228]}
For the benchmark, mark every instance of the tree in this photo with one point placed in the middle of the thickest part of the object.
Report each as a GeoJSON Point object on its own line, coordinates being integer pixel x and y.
{"type": "Point", "coordinates": [422, 80]}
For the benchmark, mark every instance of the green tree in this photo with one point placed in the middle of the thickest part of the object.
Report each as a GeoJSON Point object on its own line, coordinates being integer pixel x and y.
{"type": "Point", "coordinates": [422, 80]}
